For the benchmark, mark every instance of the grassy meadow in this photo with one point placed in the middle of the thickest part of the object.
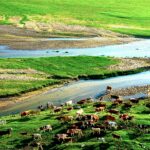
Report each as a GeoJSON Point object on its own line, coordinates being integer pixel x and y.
{"type": "Point", "coordinates": [129, 16]}
{"type": "Point", "coordinates": [133, 138]}
{"type": "Point", "coordinates": [53, 69]}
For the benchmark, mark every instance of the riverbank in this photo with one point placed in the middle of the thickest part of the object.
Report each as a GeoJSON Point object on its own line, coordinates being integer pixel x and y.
{"type": "Point", "coordinates": [120, 67]}
{"type": "Point", "coordinates": [28, 39]}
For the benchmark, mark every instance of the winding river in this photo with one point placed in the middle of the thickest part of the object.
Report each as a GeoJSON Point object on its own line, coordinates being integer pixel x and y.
{"type": "Point", "coordinates": [79, 90]}
{"type": "Point", "coordinates": [133, 49]}
{"type": "Point", "coordinates": [83, 88]}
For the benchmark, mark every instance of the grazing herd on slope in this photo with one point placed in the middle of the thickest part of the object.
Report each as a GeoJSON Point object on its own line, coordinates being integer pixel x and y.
{"type": "Point", "coordinates": [78, 124]}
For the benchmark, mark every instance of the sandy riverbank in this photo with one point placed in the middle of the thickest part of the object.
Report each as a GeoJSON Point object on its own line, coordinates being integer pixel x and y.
{"type": "Point", "coordinates": [29, 39]}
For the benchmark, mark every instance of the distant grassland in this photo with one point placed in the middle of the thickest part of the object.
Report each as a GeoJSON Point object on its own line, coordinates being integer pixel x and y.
{"type": "Point", "coordinates": [125, 16]}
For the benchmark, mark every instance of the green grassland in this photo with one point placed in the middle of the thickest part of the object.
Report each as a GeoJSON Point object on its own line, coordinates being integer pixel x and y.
{"type": "Point", "coordinates": [132, 137]}
{"type": "Point", "coordinates": [55, 69]}
{"type": "Point", "coordinates": [128, 16]}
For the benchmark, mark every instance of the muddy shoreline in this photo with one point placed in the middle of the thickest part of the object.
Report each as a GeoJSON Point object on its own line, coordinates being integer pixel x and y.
{"type": "Point", "coordinates": [27, 39]}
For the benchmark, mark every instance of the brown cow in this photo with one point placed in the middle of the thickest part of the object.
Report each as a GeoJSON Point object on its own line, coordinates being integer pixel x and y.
{"type": "Point", "coordinates": [113, 111]}
{"type": "Point", "coordinates": [72, 132]}
{"type": "Point", "coordinates": [133, 100]}
{"type": "Point", "coordinates": [25, 113]}
{"type": "Point", "coordinates": [57, 109]}
{"type": "Point", "coordinates": [66, 118]}
{"type": "Point", "coordinates": [118, 101]}
{"type": "Point", "coordinates": [115, 136]}
{"type": "Point", "coordinates": [127, 105]}
{"type": "Point", "coordinates": [98, 109]}
{"type": "Point", "coordinates": [125, 117]}
{"type": "Point", "coordinates": [100, 104]}
{"type": "Point", "coordinates": [70, 108]}
{"type": "Point", "coordinates": [81, 102]}
{"type": "Point", "coordinates": [110, 118]}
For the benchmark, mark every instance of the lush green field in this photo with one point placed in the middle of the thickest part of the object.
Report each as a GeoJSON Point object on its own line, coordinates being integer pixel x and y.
{"type": "Point", "coordinates": [56, 67]}
{"type": "Point", "coordinates": [128, 16]}
{"type": "Point", "coordinates": [133, 138]}
{"type": "Point", "coordinates": [62, 66]}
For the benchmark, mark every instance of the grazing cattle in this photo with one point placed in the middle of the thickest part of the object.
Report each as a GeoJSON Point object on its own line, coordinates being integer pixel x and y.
{"type": "Point", "coordinates": [108, 89]}
{"type": "Point", "coordinates": [111, 124]}
{"type": "Point", "coordinates": [113, 111]}
{"type": "Point", "coordinates": [118, 101]}
{"type": "Point", "coordinates": [91, 117]}
{"type": "Point", "coordinates": [134, 100]}
{"type": "Point", "coordinates": [90, 123]}
{"type": "Point", "coordinates": [115, 136]}
{"type": "Point", "coordinates": [68, 140]}
{"type": "Point", "coordinates": [25, 113]}
{"type": "Point", "coordinates": [79, 112]}
{"type": "Point", "coordinates": [98, 109]}
{"type": "Point", "coordinates": [50, 105]}
{"type": "Point", "coordinates": [90, 100]}
{"type": "Point", "coordinates": [100, 104]}
{"type": "Point", "coordinates": [2, 122]}
{"type": "Point", "coordinates": [73, 132]}
{"type": "Point", "coordinates": [57, 109]}
{"type": "Point", "coordinates": [6, 132]}
{"type": "Point", "coordinates": [125, 117]}
{"type": "Point", "coordinates": [61, 136]}
{"type": "Point", "coordinates": [95, 118]}
{"type": "Point", "coordinates": [37, 136]}
{"type": "Point", "coordinates": [102, 127]}
{"type": "Point", "coordinates": [96, 131]}
{"type": "Point", "coordinates": [69, 108]}
{"type": "Point", "coordinates": [66, 118]}
{"type": "Point", "coordinates": [69, 103]}
{"type": "Point", "coordinates": [127, 105]}
{"type": "Point", "coordinates": [81, 102]}
{"type": "Point", "coordinates": [42, 108]}
{"type": "Point", "coordinates": [80, 125]}
{"type": "Point", "coordinates": [110, 118]}
{"type": "Point", "coordinates": [46, 128]}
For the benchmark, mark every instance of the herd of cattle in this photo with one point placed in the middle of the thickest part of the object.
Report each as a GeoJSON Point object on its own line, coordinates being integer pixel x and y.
{"type": "Point", "coordinates": [80, 122]}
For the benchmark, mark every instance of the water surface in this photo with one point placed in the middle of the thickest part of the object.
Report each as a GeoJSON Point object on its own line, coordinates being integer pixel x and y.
{"type": "Point", "coordinates": [133, 49]}
{"type": "Point", "coordinates": [79, 90]}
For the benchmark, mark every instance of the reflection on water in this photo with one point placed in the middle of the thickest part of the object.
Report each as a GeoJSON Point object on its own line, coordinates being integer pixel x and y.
{"type": "Point", "coordinates": [79, 90]}
{"type": "Point", "coordinates": [134, 49]}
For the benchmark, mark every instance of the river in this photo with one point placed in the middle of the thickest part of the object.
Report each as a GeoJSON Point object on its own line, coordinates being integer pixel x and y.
{"type": "Point", "coordinates": [79, 90]}
{"type": "Point", "coordinates": [133, 49]}
{"type": "Point", "coordinates": [83, 88]}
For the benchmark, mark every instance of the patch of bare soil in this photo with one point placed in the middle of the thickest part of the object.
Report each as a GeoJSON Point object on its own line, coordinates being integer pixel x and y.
{"type": "Point", "coordinates": [130, 64]}
{"type": "Point", "coordinates": [30, 39]}
{"type": "Point", "coordinates": [131, 91]}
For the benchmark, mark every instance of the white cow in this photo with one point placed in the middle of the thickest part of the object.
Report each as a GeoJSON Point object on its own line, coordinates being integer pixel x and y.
{"type": "Point", "coordinates": [80, 112]}
{"type": "Point", "coordinates": [37, 136]}
{"type": "Point", "coordinates": [69, 103]}
{"type": "Point", "coordinates": [112, 124]}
